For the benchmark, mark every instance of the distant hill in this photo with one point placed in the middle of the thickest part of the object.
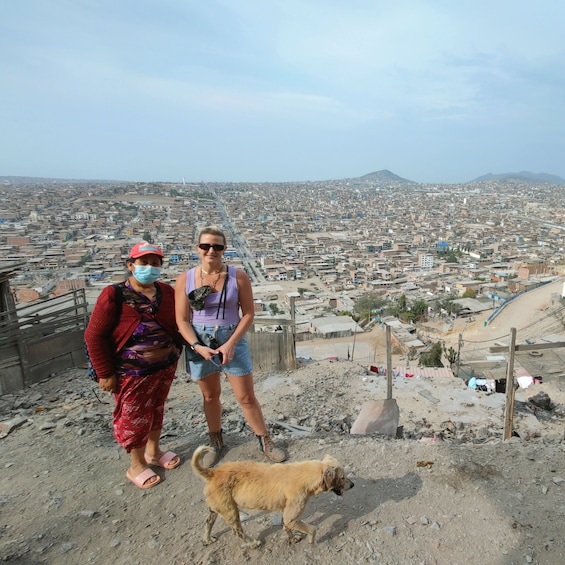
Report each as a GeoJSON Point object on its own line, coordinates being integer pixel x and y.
{"type": "Point", "coordinates": [47, 180]}
{"type": "Point", "coordinates": [524, 176]}
{"type": "Point", "coordinates": [385, 176]}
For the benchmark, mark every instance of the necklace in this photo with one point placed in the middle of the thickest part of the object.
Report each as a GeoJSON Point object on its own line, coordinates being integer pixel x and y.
{"type": "Point", "coordinates": [213, 285]}
{"type": "Point", "coordinates": [211, 272]}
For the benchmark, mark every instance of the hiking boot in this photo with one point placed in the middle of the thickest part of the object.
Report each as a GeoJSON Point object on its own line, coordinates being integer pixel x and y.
{"type": "Point", "coordinates": [210, 458]}
{"type": "Point", "coordinates": [270, 450]}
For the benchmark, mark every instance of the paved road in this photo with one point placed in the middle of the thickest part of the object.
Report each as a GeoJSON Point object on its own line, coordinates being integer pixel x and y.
{"type": "Point", "coordinates": [247, 258]}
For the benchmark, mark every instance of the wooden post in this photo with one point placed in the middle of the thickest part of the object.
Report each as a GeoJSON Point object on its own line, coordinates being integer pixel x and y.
{"type": "Point", "coordinates": [388, 363]}
{"type": "Point", "coordinates": [292, 364]}
{"type": "Point", "coordinates": [293, 313]}
{"type": "Point", "coordinates": [353, 348]}
{"type": "Point", "coordinates": [460, 342]}
{"type": "Point", "coordinates": [509, 409]}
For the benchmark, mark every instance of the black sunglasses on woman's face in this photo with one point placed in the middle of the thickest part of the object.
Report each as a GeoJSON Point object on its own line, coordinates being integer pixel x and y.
{"type": "Point", "coordinates": [216, 246]}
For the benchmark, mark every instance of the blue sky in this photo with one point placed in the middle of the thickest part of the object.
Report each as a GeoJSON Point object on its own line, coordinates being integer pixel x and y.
{"type": "Point", "coordinates": [437, 91]}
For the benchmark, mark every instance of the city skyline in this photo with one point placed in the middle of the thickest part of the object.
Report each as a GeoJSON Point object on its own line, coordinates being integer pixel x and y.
{"type": "Point", "coordinates": [226, 91]}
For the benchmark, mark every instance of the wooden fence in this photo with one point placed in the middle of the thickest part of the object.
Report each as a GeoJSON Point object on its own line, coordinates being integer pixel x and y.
{"type": "Point", "coordinates": [272, 351]}
{"type": "Point", "coordinates": [41, 338]}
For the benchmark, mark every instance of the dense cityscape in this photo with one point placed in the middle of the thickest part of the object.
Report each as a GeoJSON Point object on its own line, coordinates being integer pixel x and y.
{"type": "Point", "coordinates": [374, 234]}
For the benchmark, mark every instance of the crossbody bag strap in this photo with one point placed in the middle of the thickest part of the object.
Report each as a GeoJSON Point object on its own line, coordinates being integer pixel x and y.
{"type": "Point", "coordinates": [223, 296]}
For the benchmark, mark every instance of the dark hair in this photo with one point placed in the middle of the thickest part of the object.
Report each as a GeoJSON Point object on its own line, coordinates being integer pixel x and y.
{"type": "Point", "coordinates": [212, 230]}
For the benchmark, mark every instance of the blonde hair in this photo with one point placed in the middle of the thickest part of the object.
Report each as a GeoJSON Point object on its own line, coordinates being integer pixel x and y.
{"type": "Point", "coordinates": [212, 230]}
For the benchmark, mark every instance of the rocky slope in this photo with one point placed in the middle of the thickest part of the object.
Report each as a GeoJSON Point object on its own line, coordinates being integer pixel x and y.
{"type": "Point", "coordinates": [447, 491]}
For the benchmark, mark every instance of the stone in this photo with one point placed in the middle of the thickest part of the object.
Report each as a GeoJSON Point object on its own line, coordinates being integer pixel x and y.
{"type": "Point", "coordinates": [8, 426]}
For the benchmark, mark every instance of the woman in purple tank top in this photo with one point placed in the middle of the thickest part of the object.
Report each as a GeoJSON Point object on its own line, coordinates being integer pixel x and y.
{"type": "Point", "coordinates": [214, 309]}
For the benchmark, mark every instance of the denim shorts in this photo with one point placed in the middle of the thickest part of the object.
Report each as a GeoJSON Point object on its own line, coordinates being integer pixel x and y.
{"type": "Point", "coordinates": [239, 366]}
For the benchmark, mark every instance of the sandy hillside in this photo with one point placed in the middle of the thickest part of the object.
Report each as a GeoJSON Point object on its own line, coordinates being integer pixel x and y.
{"type": "Point", "coordinates": [447, 491]}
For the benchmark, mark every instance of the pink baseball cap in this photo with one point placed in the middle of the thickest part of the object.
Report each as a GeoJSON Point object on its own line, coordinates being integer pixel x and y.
{"type": "Point", "coordinates": [145, 248]}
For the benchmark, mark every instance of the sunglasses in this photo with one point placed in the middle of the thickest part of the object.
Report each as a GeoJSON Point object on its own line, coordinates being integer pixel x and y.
{"type": "Point", "coordinates": [215, 246]}
{"type": "Point", "coordinates": [198, 296]}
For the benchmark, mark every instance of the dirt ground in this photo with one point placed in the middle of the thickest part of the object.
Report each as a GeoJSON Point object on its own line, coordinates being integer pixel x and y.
{"type": "Point", "coordinates": [448, 490]}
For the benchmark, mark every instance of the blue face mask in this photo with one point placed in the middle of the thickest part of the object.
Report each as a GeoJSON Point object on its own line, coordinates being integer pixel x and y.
{"type": "Point", "coordinates": [146, 274]}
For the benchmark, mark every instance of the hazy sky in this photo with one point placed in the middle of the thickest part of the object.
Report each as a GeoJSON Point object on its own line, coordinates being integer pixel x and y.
{"type": "Point", "coordinates": [281, 90]}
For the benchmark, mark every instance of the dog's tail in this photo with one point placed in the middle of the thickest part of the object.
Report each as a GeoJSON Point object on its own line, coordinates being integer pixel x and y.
{"type": "Point", "coordinates": [206, 474]}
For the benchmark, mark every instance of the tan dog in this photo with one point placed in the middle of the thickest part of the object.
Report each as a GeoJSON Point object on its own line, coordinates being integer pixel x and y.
{"type": "Point", "coordinates": [278, 487]}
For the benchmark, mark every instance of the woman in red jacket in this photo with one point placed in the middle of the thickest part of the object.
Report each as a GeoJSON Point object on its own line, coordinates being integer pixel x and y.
{"type": "Point", "coordinates": [134, 345]}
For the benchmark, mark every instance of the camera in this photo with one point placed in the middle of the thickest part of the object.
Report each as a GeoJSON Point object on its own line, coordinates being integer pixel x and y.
{"type": "Point", "coordinates": [213, 344]}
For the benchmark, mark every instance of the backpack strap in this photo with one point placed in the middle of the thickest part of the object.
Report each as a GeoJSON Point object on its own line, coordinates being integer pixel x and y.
{"type": "Point", "coordinates": [119, 296]}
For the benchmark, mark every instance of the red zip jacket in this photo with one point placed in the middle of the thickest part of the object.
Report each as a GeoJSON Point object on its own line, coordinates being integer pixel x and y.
{"type": "Point", "coordinates": [105, 334]}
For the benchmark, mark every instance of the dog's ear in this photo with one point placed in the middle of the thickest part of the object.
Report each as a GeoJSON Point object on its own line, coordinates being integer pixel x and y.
{"type": "Point", "coordinates": [329, 477]}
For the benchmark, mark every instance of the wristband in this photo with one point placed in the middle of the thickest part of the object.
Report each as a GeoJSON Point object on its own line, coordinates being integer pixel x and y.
{"type": "Point", "coordinates": [193, 345]}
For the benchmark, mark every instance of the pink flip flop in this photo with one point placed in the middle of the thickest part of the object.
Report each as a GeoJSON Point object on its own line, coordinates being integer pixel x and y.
{"type": "Point", "coordinates": [143, 477]}
{"type": "Point", "coordinates": [164, 461]}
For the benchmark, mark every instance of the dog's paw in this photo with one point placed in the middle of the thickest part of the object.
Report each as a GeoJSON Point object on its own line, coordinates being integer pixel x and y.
{"type": "Point", "coordinates": [209, 540]}
{"type": "Point", "coordinates": [253, 543]}
{"type": "Point", "coordinates": [295, 537]}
